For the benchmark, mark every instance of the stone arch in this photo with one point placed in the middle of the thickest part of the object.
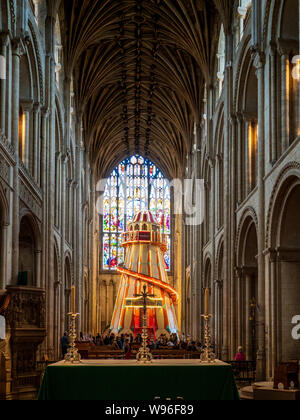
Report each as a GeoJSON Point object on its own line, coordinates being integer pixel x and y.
{"type": "Point", "coordinates": [248, 215]}
{"type": "Point", "coordinates": [31, 100]}
{"type": "Point", "coordinates": [219, 177]}
{"type": "Point", "coordinates": [207, 271]}
{"type": "Point", "coordinates": [285, 42]}
{"type": "Point", "coordinates": [29, 251]}
{"type": "Point", "coordinates": [247, 273]}
{"type": "Point", "coordinates": [219, 260]}
{"type": "Point", "coordinates": [207, 226]}
{"type": "Point", "coordinates": [285, 265]}
{"type": "Point", "coordinates": [288, 20]}
{"type": "Point", "coordinates": [290, 171]}
{"type": "Point", "coordinates": [246, 108]}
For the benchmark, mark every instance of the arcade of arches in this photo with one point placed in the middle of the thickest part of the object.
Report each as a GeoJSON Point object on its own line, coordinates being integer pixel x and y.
{"type": "Point", "coordinates": [204, 89]}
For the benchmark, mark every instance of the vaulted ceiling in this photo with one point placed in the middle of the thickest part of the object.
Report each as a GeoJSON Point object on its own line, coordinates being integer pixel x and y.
{"type": "Point", "coordinates": [139, 71]}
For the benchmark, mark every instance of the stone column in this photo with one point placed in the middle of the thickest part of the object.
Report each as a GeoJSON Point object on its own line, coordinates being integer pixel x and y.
{"type": "Point", "coordinates": [248, 338]}
{"type": "Point", "coordinates": [38, 262]}
{"type": "Point", "coordinates": [62, 242]}
{"type": "Point", "coordinates": [274, 113]}
{"type": "Point", "coordinates": [273, 327]}
{"type": "Point", "coordinates": [78, 268]}
{"type": "Point", "coordinates": [247, 159]}
{"type": "Point", "coordinates": [3, 258]}
{"type": "Point", "coordinates": [219, 316]}
{"type": "Point", "coordinates": [285, 109]}
{"type": "Point", "coordinates": [16, 54]}
{"type": "Point", "coordinates": [55, 319]}
{"type": "Point", "coordinates": [49, 171]}
{"type": "Point", "coordinates": [227, 194]}
{"type": "Point", "coordinates": [36, 142]}
{"type": "Point", "coordinates": [239, 303]}
{"type": "Point", "coordinates": [233, 207]}
{"type": "Point", "coordinates": [3, 82]}
{"type": "Point", "coordinates": [261, 355]}
{"type": "Point", "coordinates": [240, 160]}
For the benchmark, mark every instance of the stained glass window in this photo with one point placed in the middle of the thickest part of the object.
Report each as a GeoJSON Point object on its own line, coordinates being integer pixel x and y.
{"type": "Point", "coordinates": [136, 184]}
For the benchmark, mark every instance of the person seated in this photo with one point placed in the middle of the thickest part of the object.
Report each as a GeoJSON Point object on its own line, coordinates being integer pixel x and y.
{"type": "Point", "coordinates": [98, 340]}
{"type": "Point", "coordinates": [112, 339]}
{"type": "Point", "coordinates": [119, 343]}
{"type": "Point", "coordinates": [240, 356]}
{"type": "Point", "coordinates": [127, 350]}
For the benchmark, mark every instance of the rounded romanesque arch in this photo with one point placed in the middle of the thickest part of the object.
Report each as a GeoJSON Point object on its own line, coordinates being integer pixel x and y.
{"type": "Point", "coordinates": [284, 250]}
{"type": "Point", "coordinates": [247, 283]}
{"type": "Point", "coordinates": [30, 249]}
{"type": "Point", "coordinates": [289, 175]}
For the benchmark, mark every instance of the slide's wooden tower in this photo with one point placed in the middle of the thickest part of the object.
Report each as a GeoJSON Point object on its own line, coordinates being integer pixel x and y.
{"type": "Point", "coordinates": [145, 246]}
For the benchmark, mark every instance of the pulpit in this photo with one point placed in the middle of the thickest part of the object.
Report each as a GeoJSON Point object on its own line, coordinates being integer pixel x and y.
{"type": "Point", "coordinates": [26, 321]}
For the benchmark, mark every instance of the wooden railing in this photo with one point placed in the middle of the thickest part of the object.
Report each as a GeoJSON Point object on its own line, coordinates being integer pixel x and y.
{"type": "Point", "coordinates": [244, 371]}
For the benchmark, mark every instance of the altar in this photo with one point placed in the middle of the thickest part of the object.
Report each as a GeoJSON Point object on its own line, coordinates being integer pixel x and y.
{"type": "Point", "coordinates": [127, 380]}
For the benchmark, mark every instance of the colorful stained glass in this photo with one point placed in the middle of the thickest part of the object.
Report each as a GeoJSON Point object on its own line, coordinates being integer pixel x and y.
{"type": "Point", "coordinates": [106, 247]}
{"type": "Point", "coordinates": [136, 184]}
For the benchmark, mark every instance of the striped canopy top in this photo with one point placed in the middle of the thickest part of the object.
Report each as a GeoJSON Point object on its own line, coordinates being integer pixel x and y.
{"type": "Point", "coordinates": [144, 216]}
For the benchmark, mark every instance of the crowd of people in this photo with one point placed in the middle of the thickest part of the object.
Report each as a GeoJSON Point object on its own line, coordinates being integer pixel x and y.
{"type": "Point", "coordinates": [122, 341]}
{"type": "Point", "coordinates": [125, 342]}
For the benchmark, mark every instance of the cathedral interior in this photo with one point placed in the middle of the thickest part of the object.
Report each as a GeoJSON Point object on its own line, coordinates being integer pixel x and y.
{"type": "Point", "coordinates": [160, 90]}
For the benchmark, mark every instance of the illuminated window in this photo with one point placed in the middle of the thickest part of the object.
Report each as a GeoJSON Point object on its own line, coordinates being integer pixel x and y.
{"type": "Point", "coordinates": [135, 184]}
{"type": "Point", "coordinates": [252, 150]}
{"type": "Point", "coordinates": [221, 61]}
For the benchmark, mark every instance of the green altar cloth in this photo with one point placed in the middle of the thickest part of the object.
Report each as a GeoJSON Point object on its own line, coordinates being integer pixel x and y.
{"type": "Point", "coordinates": [129, 381]}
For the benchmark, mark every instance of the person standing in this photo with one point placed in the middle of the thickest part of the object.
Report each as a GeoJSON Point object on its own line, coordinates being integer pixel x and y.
{"type": "Point", "coordinates": [240, 356]}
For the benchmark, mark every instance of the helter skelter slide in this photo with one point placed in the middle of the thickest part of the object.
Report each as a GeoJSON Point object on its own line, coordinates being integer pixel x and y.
{"type": "Point", "coordinates": [145, 246]}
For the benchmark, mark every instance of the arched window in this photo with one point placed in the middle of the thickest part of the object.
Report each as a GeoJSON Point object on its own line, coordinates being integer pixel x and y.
{"type": "Point", "coordinates": [221, 61]}
{"type": "Point", "coordinates": [135, 184]}
{"type": "Point", "coordinates": [58, 53]}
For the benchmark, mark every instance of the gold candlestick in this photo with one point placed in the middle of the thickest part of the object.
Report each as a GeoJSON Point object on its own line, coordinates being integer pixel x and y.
{"type": "Point", "coordinates": [144, 355]}
{"type": "Point", "coordinates": [73, 299]}
{"type": "Point", "coordinates": [72, 356]}
{"type": "Point", "coordinates": [207, 356]}
{"type": "Point", "coordinates": [207, 302]}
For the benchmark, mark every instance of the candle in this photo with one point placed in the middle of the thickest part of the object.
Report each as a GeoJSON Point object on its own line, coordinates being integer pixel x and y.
{"type": "Point", "coordinates": [73, 304]}
{"type": "Point", "coordinates": [207, 302]}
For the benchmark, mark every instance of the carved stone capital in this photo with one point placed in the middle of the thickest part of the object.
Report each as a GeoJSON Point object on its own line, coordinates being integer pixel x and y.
{"type": "Point", "coordinates": [259, 58]}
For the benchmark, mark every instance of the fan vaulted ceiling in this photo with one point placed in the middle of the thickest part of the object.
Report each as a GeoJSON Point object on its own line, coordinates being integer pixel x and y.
{"type": "Point", "coordinates": [139, 71]}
